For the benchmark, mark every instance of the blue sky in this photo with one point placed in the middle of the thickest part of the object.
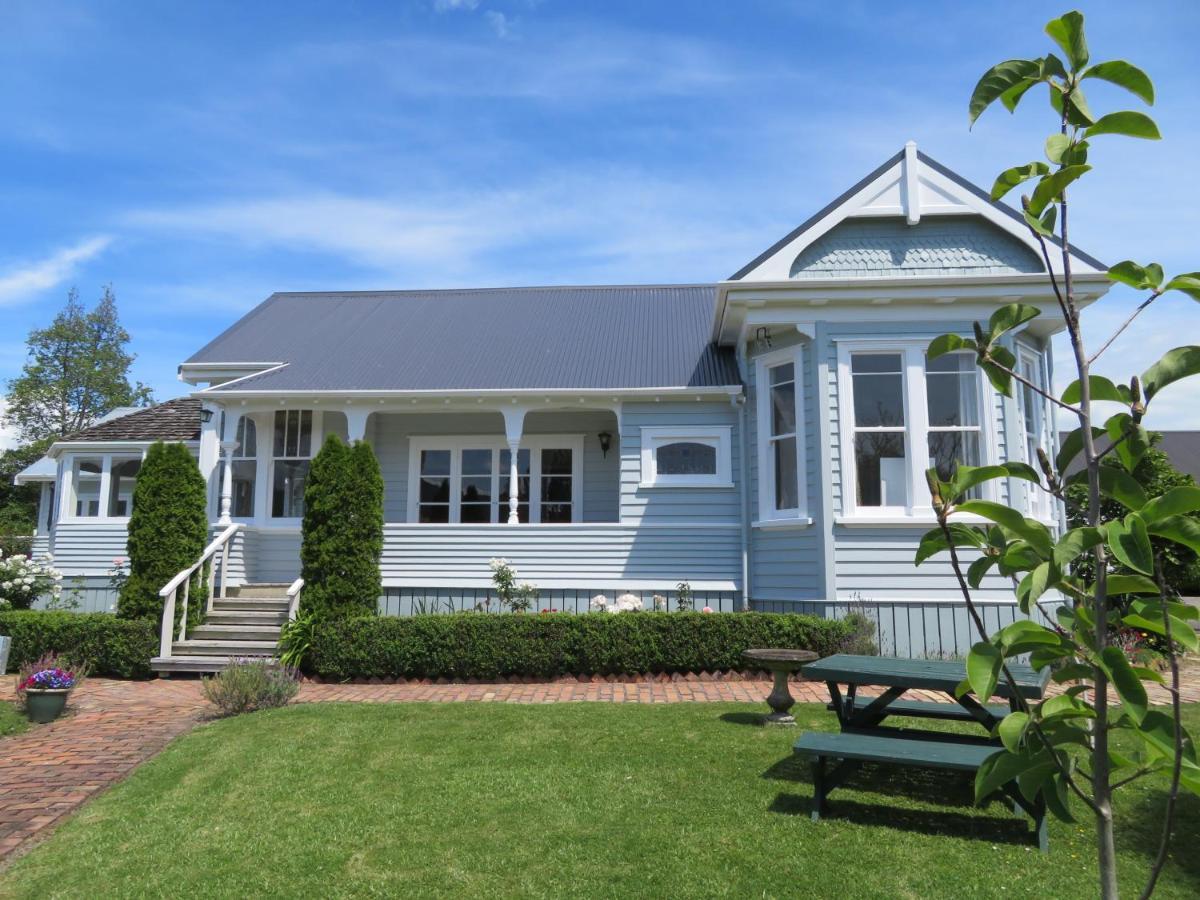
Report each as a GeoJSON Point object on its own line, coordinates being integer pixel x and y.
{"type": "Point", "coordinates": [199, 156]}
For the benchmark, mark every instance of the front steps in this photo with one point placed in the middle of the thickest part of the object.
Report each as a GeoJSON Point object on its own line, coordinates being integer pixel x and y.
{"type": "Point", "coordinates": [243, 625]}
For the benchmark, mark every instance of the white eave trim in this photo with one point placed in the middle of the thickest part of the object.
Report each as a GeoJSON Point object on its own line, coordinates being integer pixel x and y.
{"type": "Point", "coordinates": [494, 394]}
{"type": "Point", "coordinates": [194, 373]}
{"type": "Point", "coordinates": [60, 447]}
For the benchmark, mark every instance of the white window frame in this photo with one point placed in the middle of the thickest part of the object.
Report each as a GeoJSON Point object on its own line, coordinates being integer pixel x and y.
{"type": "Point", "coordinates": [916, 430]}
{"type": "Point", "coordinates": [69, 495]}
{"type": "Point", "coordinates": [1037, 502]}
{"type": "Point", "coordinates": [317, 438]}
{"type": "Point", "coordinates": [534, 443]}
{"type": "Point", "coordinates": [719, 437]}
{"type": "Point", "coordinates": [767, 511]}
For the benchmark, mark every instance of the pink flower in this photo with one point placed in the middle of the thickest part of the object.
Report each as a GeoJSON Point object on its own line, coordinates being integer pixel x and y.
{"type": "Point", "coordinates": [118, 560]}
{"type": "Point", "coordinates": [707, 609]}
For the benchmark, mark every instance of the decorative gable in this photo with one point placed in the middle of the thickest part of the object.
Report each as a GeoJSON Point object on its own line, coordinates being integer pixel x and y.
{"type": "Point", "coordinates": [910, 217]}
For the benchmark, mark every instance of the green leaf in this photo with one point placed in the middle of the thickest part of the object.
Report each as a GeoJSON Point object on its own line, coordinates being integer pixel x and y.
{"type": "Point", "coordinates": [1075, 543]}
{"type": "Point", "coordinates": [1058, 799]}
{"type": "Point", "coordinates": [999, 377]}
{"type": "Point", "coordinates": [1030, 530]}
{"type": "Point", "coordinates": [1101, 389]}
{"type": "Point", "coordinates": [1010, 178]}
{"type": "Point", "coordinates": [1181, 362]}
{"type": "Point", "coordinates": [934, 541]}
{"type": "Point", "coordinates": [1178, 529]}
{"type": "Point", "coordinates": [1131, 584]}
{"type": "Point", "coordinates": [1010, 316]}
{"type": "Point", "coordinates": [1012, 729]}
{"type": "Point", "coordinates": [1071, 446]}
{"type": "Point", "coordinates": [1067, 32]}
{"type": "Point", "coordinates": [983, 669]}
{"type": "Point", "coordinates": [1000, 79]}
{"type": "Point", "coordinates": [1002, 767]}
{"type": "Point", "coordinates": [1044, 576]}
{"type": "Point", "coordinates": [1013, 95]}
{"type": "Point", "coordinates": [1130, 438]}
{"type": "Point", "coordinates": [1189, 283]}
{"type": "Point", "coordinates": [1139, 277]}
{"type": "Point", "coordinates": [1128, 123]}
{"type": "Point", "coordinates": [1126, 75]}
{"type": "Point", "coordinates": [947, 343]}
{"type": "Point", "coordinates": [1129, 687]}
{"type": "Point", "coordinates": [1177, 501]}
{"type": "Point", "coordinates": [1157, 730]}
{"type": "Point", "coordinates": [967, 477]}
{"type": "Point", "coordinates": [1117, 484]}
{"type": "Point", "coordinates": [1130, 543]}
{"type": "Point", "coordinates": [1077, 112]}
{"type": "Point", "coordinates": [1021, 470]}
{"type": "Point", "coordinates": [1044, 228]}
{"type": "Point", "coordinates": [1181, 632]}
{"type": "Point", "coordinates": [978, 569]}
{"type": "Point", "coordinates": [1056, 146]}
{"type": "Point", "coordinates": [1050, 188]}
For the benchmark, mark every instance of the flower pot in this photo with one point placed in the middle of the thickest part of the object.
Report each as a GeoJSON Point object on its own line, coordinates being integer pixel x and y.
{"type": "Point", "coordinates": [45, 705]}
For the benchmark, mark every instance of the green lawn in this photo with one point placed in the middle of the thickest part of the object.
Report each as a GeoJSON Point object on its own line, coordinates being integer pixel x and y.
{"type": "Point", "coordinates": [573, 800]}
{"type": "Point", "coordinates": [12, 720]}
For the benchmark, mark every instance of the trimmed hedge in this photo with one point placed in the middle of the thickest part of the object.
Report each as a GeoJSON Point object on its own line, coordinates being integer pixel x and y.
{"type": "Point", "coordinates": [114, 647]}
{"type": "Point", "coordinates": [483, 646]}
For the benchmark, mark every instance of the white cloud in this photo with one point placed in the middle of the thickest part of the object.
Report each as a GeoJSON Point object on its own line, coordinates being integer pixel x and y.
{"type": "Point", "coordinates": [25, 280]}
{"type": "Point", "coordinates": [499, 23]}
{"type": "Point", "coordinates": [451, 5]}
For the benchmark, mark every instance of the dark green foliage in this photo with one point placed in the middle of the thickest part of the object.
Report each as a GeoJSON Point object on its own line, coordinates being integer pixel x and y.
{"type": "Point", "coordinates": [342, 531]}
{"type": "Point", "coordinates": [1156, 475]}
{"type": "Point", "coordinates": [110, 646]}
{"type": "Point", "coordinates": [474, 645]}
{"type": "Point", "coordinates": [168, 530]}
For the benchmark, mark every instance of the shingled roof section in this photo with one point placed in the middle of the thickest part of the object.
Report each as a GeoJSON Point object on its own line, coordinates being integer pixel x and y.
{"type": "Point", "coordinates": [174, 420]}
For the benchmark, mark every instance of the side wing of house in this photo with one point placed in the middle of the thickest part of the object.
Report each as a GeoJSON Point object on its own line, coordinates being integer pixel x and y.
{"type": "Point", "coordinates": [832, 325]}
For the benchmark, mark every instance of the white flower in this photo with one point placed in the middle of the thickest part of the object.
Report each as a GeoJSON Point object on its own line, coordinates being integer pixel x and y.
{"type": "Point", "coordinates": [599, 603]}
{"type": "Point", "coordinates": [627, 603]}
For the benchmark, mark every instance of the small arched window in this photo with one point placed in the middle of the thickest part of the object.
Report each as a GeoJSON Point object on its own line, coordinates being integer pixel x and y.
{"type": "Point", "coordinates": [689, 456]}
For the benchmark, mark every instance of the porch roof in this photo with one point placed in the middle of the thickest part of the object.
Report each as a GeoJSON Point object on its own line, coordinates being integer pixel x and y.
{"type": "Point", "coordinates": [521, 339]}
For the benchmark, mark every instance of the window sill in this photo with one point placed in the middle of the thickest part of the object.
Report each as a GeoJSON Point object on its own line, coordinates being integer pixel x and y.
{"type": "Point", "coordinates": [860, 521]}
{"type": "Point", "coordinates": [93, 520]}
{"type": "Point", "coordinates": [720, 485]}
{"type": "Point", "coordinates": [782, 524]}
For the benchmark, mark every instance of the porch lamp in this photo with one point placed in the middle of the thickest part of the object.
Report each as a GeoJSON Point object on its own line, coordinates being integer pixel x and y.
{"type": "Point", "coordinates": [605, 442]}
{"type": "Point", "coordinates": [206, 415]}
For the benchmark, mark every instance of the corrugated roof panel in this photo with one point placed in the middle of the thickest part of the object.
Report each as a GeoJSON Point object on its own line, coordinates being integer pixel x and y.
{"type": "Point", "coordinates": [503, 338]}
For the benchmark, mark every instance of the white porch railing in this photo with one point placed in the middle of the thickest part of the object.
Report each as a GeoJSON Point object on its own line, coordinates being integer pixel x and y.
{"type": "Point", "coordinates": [170, 593]}
{"type": "Point", "coordinates": [293, 595]}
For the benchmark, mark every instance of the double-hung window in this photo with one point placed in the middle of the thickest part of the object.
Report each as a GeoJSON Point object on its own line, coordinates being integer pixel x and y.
{"type": "Point", "coordinates": [782, 492]}
{"type": "Point", "coordinates": [291, 457]}
{"type": "Point", "coordinates": [1034, 432]}
{"type": "Point", "coordinates": [902, 414]}
{"type": "Point", "coordinates": [86, 478]}
{"type": "Point", "coordinates": [465, 480]}
{"type": "Point", "coordinates": [121, 480]}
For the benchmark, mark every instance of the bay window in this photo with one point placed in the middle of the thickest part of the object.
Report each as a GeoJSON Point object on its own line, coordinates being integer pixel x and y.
{"type": "Point", "coordinates": [291, 458]}
{"type": "Point", "coordinates": [782, 492]}
{"type": "Point", "coordinates": [465, 480]}
{"type": "Point", "coordinates": [121, 479]}
{"type": "Point", "coordinates": [901, 415]}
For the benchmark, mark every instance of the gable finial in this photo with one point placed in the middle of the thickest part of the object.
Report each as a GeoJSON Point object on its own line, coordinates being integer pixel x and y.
{"type": "Point", "coordinates": [912, 188]}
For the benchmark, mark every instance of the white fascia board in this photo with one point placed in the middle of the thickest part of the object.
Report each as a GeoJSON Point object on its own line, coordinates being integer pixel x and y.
{"type": "Point", "coordinates": [20, 479]}
{"type": "Point", "coordinates": [60, 447]}
{"type": "Point", "coordinates": [891, 300]}
{"type": "Point", "coordinates": [495, 396]}
{"type": "Point", "coordinates": [205, 372]}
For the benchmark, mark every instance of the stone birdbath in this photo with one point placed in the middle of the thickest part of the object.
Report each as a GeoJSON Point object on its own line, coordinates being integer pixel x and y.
{"type": "Point", "coordinates": [782, 663]}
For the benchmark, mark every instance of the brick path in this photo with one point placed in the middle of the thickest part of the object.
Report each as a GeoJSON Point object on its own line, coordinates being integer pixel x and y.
{"type": "Point", "coordinates": [112, 726]}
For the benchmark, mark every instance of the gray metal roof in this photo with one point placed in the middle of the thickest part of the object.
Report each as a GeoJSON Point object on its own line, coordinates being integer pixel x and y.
{"type": "Point", "coordinates": [555, 338]}
{"type": "Point", "coordinates": [1181, 447]}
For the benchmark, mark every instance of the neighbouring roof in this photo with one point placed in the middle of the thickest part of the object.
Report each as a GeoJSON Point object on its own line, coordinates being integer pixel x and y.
{"type": "Point", "coordinates": [1181, 447]}
{"type": "Point", "coordinates": [554, 338]}
{"type": "Point", "coordinates": [172, 420]}
{"type": "Point", "coordinates": [45, 469]}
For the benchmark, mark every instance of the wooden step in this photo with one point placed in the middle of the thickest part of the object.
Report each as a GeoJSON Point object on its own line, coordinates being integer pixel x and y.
{"type": "Point", "coordinates": [261, 604]}
{"type": "Point", "coordinates": [250, 591]}
{"type": "Point", "coordinates": [246, 617]}
{"type": "Point", "coordinates": [224, 647]}
{"type": "Point", "coordinates": [193, 665]}
{"type": "Point", "coordinates": [211, 631]}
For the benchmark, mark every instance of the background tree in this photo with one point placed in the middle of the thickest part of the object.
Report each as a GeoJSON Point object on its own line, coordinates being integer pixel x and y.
{"type": "Point", "coordinates": [18, 503]}
{"type": "Point", "coordinates": [168, 529]}
{"type": "Point", "coordinates": [1058, 750]}
{"type": "Point", "coordinates": [342, 531]}
{"type": "Point", "coordinates": [77, 371]}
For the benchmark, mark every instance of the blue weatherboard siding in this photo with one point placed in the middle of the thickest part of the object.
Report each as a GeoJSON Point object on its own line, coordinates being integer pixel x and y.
{"type": "Point", "coordinates": [937, 245]}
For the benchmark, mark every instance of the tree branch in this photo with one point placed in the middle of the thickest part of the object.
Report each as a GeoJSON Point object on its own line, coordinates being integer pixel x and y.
{"type": "Point", "coordinates": [1116, 334]}
{"type": "Point", "coordinates": [1177, 767]}
{"type": "Point", "coordinates": [1029, 384]}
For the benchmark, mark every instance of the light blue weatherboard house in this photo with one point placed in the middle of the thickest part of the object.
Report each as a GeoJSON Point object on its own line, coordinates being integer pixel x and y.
{"type": "Point", "coordinates": [762, 439]}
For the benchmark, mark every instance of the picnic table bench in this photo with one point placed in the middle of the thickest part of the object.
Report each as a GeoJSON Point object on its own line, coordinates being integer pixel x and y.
{"type": "Point", "coordinates": [863, 739]}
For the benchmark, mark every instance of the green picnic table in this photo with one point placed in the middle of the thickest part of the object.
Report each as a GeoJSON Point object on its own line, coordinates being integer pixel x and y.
{"type": "Point", "coordinates": [864, 739]}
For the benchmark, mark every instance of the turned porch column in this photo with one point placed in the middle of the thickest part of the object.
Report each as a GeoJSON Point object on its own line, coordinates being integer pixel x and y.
{"type": "Point", "coordinates": [227, 448]}
{"type": "Point", "coordinates": [514, 424]}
